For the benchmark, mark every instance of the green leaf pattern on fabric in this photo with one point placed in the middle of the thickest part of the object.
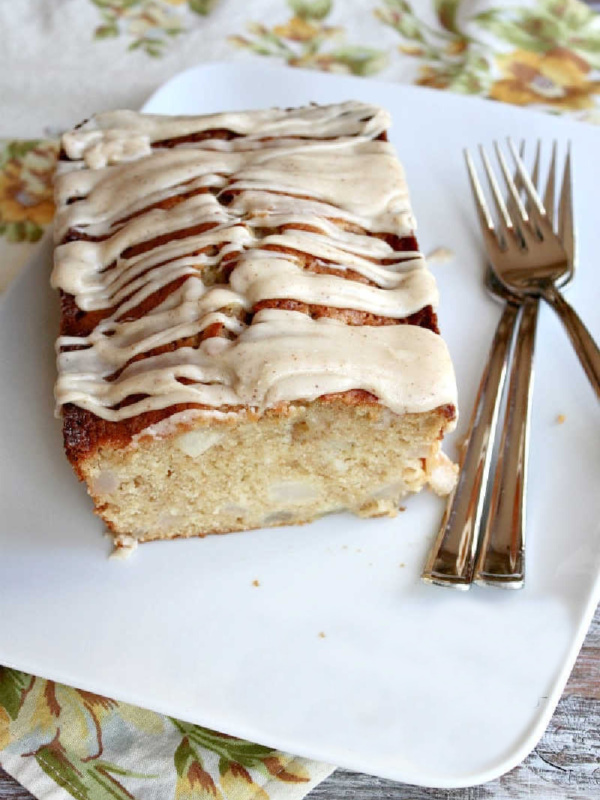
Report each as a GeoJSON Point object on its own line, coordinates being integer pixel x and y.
{"type": "Point", "coordinates": [150, 25]}
{"type": "Point", "coordinates": [542, 54]}
{"type": "Point", "coordinates": [12, 688]}
{"type": "Point", "coordinates": [308, 40]}
{"type": "Point", "coordinates": [446, 11]}
{"type": "Point", "coordinates": [77, 737]}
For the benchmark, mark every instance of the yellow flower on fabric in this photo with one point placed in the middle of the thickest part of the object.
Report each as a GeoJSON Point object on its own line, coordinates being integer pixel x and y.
{"type": "Point", "coordinates": [557, 78]}
{"type": "Point", "coordinates": [26, 186]}
{"type": "Point", "coordinates": [193, 782]}
{"type": "Point", "coordinates": [432, 78]}
{"type": "Point", "coordinates": [17, 203]}
{"type": "Point", "coordinates": [148, 722]}
{"type": "Point", "coordinates": [411, 49]}
{"type": "Point", "coordinates": [153, 17]}
{"type": "Point", "coordinates": [297, 29]}
{"type": "Point", "coordinates": [196, 784]}
{"type": "Point", "coordinates": [456, 47]}
{"type": "Point", "coordinates": [286, 768]}
{"type": "Point", "coordinates": [50, 709]}
{"type": "Point", "coordinates": [237, 782]}
{"type": "Point", "coordinates": [26, 174]}
{"type": "Point", "coordinates": [5, 737]}
{"type": "Point", "coordinates": [306, 41]}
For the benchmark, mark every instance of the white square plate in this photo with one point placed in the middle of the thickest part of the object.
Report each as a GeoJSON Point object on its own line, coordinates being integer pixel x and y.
{"type": "Point", "coordinates": [411, 682]}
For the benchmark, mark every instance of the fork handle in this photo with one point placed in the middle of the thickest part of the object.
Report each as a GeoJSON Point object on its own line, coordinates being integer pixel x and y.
{"type": "Point", "coordinates": [585, 347]}
{"type": "Point", "coordinates": [451, 559]}
{"type": "Point", "coordinates": [501, 560]}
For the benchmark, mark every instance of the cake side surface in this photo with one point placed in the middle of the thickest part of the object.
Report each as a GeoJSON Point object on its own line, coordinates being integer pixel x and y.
{"type": "Point", "coordinates": [285, 467]}
{"type": "Point", "coordinates": [229, 273]}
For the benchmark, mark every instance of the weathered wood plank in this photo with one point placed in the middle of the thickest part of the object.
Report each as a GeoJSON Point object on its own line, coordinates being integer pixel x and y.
{"type": "Point", "coordinates": [564, 766]}
{"type": "Point", "coordinates": [10, 789]}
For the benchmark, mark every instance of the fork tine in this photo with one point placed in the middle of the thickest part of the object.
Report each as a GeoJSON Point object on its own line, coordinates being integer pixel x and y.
{"type": "Point", "coordinates": [497, 194]}
{"type": "Point", "coordinates": [515, 177]}
{"type": "Point", "coordinates": [512, 189]}
{"type": "Point", "coordinates": [550, 187]}
{"type": "Point", "coordinates": [528, 235]}
{"type": "Point", "coordinates": [510, 203]}
{"type": "Point", "coordinates": [516, 174]}
{"type": "Point", "coordinates": [535, 177]}
{"type": "Point", "coordinates": [526, 223]}
{"type": "Point", "coordinates": [526, 181]}
{"type": "Point", "coordinates": [482, 207]}
{"type": "Point", "coordinates": [535, 172]}
{"type": "Point", "coordinates": [566, 224]}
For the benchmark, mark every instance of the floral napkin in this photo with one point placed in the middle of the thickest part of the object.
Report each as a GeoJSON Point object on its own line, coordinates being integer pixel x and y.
{"type": "Point", "coordinates": [64, 60]}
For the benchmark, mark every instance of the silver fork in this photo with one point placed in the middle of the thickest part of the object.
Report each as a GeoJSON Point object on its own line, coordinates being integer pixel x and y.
{"type": "Point", "coordinates": [501, 558]}
{"type": "Point", "coordinates": [451, 560]}
{"type": "Point", "coordinates": [525, 252]}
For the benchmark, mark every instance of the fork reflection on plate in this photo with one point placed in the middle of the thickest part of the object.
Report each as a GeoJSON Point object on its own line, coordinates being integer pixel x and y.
{"type": "Point", "coordinates": [528, 260]}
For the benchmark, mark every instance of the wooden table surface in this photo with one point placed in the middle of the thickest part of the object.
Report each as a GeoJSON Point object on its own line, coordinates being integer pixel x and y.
{"type": "Point", "coordinates": [565, 764]}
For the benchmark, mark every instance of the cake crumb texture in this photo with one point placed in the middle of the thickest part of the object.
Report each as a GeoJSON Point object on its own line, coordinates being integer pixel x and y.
{"type": "Point", "coordinates": [282, 469]}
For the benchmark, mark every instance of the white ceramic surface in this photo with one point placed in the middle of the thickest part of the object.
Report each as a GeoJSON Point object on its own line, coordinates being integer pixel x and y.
{"type": "Point", "coordinates": [410, 682]}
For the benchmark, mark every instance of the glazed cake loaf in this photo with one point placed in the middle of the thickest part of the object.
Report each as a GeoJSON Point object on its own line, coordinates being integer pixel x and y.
{"type": "Point", "coordinates": [248, 332]}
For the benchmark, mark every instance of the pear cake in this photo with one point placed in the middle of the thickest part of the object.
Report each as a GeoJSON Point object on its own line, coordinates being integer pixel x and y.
{"type": "Point", "coordinates": [248, 330]}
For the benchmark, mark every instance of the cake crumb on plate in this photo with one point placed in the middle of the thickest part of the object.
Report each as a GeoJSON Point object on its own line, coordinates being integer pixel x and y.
{"type": "Point", "coordinates": [124, 547]}
{"type": "Point", "coordinates": [440, 255]}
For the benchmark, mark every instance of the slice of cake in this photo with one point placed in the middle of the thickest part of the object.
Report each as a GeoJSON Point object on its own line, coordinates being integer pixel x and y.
{"type": "Point", "coordinates": [248, 332]}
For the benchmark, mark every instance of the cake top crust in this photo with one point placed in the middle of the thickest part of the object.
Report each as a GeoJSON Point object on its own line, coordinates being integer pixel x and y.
{"type": "Point", "coordinates": [197, 247]}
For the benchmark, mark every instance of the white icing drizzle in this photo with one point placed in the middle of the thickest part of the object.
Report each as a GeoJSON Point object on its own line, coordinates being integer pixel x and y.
{"type": "Point", "coordinates": [307, 183]}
